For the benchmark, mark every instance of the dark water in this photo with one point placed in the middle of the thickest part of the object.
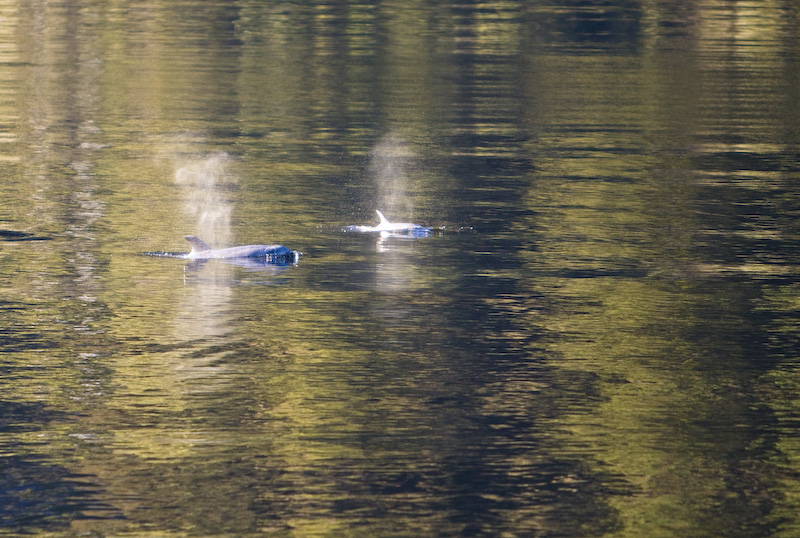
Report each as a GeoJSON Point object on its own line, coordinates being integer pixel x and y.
{"type": "Point", "coordinates": [599, 339]}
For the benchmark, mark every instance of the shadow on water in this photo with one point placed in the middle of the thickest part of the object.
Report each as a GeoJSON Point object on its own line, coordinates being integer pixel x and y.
{"type": "Point", "coordinates": [35, 494]}
{"type": "Point", "coordinates": [13, 235]}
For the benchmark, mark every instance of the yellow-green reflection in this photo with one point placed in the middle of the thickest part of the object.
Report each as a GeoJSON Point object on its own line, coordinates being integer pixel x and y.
{"type": "Point", "coordinates": [605, 348]}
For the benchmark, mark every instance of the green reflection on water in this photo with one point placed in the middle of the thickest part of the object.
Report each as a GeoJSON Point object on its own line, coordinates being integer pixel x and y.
{"type": "Point", "coordinates": [608, 350]}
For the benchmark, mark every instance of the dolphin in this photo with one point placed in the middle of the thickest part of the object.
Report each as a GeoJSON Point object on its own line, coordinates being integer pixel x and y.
{"type": "Point", "coordinates": [387, 227]}
{"type": "Point", "coordinates": [276, 253]}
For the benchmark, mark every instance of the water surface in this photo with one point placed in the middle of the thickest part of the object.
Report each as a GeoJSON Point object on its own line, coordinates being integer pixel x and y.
{"type": "Point", "coordinates": [599, 338]}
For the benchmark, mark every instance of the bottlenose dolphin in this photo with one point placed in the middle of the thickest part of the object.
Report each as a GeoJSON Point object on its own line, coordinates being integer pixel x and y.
{"type": "Point", "coordinates": [388, 227]}
{"type": "Point", "coordinates": [273, 253]}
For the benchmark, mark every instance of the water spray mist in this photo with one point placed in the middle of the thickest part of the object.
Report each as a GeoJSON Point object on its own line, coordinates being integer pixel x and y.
{"type": "Point", "coordinates": [206, 202]}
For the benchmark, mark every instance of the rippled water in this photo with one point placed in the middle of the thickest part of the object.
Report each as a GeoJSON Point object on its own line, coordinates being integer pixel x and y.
{"type": "Point", "coordinates": [599, 337]}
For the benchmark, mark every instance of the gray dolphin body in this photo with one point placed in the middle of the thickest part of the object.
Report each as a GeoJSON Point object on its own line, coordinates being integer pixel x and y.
{"type": "Point", "coordinates": [387, 227]}
{"type": "Point", "coordinates": [273, 253]}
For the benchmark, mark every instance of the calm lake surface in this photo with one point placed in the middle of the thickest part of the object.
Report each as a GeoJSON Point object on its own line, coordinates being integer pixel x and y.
{"type": "Point", "coordinates": [600, 337]}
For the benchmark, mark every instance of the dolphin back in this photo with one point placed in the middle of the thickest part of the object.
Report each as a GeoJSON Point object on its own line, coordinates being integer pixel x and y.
{"type": "Point", "coordinates": [385, 223]}
{"type": "Point", "coordinates": [197, 244]}
{"type": "Point", "coordinates": [388, 227]}
{"type": "Point", "coordinates": [271, 253]}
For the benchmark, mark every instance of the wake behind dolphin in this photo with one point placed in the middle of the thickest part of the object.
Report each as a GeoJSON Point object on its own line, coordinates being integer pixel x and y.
{"type": "Point", "coordinates": [273, 254]}
{"type": "Point", "coordinates": [387, 227]}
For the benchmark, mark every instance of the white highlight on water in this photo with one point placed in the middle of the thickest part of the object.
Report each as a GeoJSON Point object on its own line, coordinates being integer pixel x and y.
{"type": "Point", "coordinates": [204, 180]}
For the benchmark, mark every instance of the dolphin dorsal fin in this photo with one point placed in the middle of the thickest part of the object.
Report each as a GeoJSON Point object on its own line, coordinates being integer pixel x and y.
{"type": "Point", "coordinates": [197, 244]}
{"type": "Point", "coordinates": [384, 220]}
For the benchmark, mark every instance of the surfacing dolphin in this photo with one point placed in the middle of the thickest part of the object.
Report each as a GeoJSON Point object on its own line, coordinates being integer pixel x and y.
{"type": "Point", "coordinates": [387, 227]}
{"type": "Point", "coordinates": [272, 253]}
